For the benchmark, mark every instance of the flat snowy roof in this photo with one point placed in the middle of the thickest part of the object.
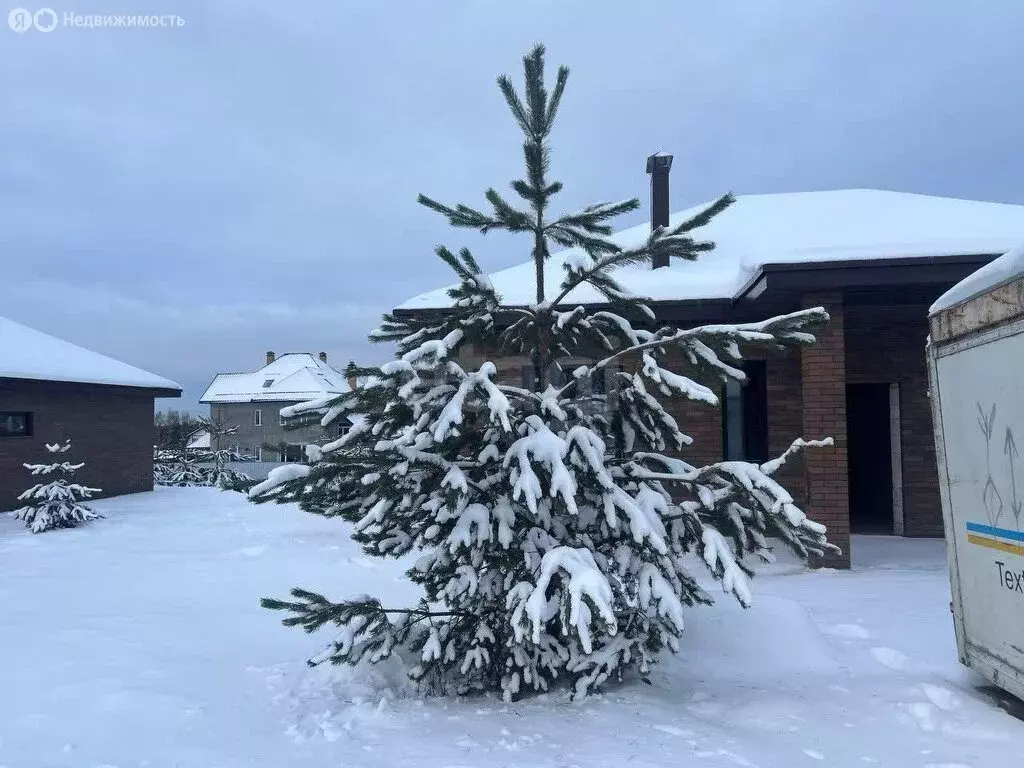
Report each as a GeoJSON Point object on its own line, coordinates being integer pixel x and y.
{"type": "Point", "coordinates": [26, 353]}
{"type": "Point", "coordinates": [791, 228]}
{"type": "Point", "coordinates": [292, 377]}
{"type": "Point", "coordinates": [1009, 266]}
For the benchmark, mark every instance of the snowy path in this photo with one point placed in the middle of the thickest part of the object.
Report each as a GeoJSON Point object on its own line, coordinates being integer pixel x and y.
{"type": "Point", "coordinates": [138, 641]}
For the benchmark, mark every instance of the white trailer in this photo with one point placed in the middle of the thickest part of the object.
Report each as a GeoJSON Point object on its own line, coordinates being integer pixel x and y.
{"type": "Point", "coordinates": [976, 373]}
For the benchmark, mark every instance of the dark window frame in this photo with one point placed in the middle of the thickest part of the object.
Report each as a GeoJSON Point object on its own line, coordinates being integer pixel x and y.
{"type": "Point", "coordinates": [26, 417]}
{"type": "Point", "coordinates": [753, 406]}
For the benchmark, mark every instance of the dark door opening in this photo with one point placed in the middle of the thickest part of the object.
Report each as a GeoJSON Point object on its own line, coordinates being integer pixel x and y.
{"type": "Point", "coordinates": [869, 456]}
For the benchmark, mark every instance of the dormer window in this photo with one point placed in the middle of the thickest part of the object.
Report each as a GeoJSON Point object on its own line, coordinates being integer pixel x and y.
{"type": "Point", "coordinates": [267, 383]}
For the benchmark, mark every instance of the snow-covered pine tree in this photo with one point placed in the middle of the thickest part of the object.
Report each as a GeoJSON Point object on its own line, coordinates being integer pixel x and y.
{"type": "Point", "coordinates": [222, 475]}
{"type": "Point", "coordinates": [183, 471]}
{"type": "Point", "coordinates": [163, 463]}
{"type": "Point", "coordinates": [177, 465]}
{"type": "Point", "coordinates": [56, 504]}
{"type": "Point", "coordinates": [555, 538]}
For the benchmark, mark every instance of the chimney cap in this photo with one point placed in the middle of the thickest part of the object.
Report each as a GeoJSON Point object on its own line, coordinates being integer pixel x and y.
{"type": "Point", "coordinates": [659, 161]}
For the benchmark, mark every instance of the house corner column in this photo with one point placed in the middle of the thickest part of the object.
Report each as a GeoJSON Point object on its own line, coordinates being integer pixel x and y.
{"type": "Point", "coordinates": [823, 390]}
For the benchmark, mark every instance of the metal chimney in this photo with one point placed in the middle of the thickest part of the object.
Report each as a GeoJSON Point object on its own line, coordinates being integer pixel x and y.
{"type": "Point", "coordinates": [658, 166]}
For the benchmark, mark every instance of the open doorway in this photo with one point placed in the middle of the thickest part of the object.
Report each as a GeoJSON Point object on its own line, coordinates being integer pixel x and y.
{"type": "Point", "coordinates": [870, 458]}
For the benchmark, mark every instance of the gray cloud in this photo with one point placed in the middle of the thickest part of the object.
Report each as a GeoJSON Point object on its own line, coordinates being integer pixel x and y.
{"type": "Point", "coordinates": [185, 199]}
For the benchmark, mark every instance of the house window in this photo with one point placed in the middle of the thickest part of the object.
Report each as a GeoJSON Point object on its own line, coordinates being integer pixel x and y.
{"type": "Point", "coordinates": [15, 424]}
{"type": "Point", "coordinates": [257, 453]}
{"type": "Point", "coordinates": [343, 429]}
{"type": "Point", "coordinates": [745, 415]}
{"type": "Point", "coordinates": [281, 420]}
{"type": "Point", "coordinates": [597, 384]}
{"type": "Point", "coordinates": [557, 377]}
{"type": "Point", "coordinates": [589, 395]}
{"type": "Point", "coordinates": [526, 376]}
{"type": "Point", "coordinates": [258, 418]}
{"type": "Point", "coordinates": [291, 453]}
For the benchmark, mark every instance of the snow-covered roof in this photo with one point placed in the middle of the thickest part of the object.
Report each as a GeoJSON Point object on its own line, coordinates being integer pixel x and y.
{"type": "Point", "coordinates": [293, 377]}
{"type": "Point", "coordinates": [1008, 267]}
{"type": "Point", "coordinates": [26, 353]}
{"type": "Point", "coordinates": [795, 227]}
{"type": "Point", "coordinates": [199, 440]}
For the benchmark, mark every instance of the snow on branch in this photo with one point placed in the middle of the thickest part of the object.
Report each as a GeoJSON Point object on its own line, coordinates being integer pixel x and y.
{"type": "Point", "coordinates": [278, 476]}
{"type": "Point", "coordinates": [587, 591]}
{"type": "Point", "coordinates": [546, 448]}
{"type": "Point", "coordinates": [497, 404]}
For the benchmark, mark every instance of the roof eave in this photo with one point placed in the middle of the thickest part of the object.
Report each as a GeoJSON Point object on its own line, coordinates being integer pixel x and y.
{"type": "Point", "coordinates": [152, 390]}
{"type": "Point", "coordinates": [703, 302]}
{"type": "Point", "coordinates": [783, 276]}
{"type": "Point", "coordinates": [857, 273]}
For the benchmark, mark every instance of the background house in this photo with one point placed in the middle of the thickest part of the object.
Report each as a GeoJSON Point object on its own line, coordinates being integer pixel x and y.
{"type": "Point", "coordinates": [875, 260]}
{"type": "Point", "coordinates": [252, 402]}
{"type": "Point", "coordinates": [198, 441]}
{"type": "Point", "coordinates": [51, 390]}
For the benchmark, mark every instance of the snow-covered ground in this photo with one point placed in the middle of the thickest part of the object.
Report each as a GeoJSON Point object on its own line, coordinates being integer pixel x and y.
{"type": "Point", "coordinates": [138, 640]}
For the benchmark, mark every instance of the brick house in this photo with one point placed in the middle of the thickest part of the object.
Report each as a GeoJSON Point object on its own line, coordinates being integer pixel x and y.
{"type": "Point", "coordinates": [875, 260]}
{"type": "Point", "coordinates": [252, 403]}
{"type": "Point", "coordinates": [51, 390]}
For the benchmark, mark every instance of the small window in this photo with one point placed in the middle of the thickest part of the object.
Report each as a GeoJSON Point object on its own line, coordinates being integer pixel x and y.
{"type": "Point", "coordinates": [526, 376]}
{"type": "Point", "coordinates": [557, 377]}
{"type": "Point", "coordinates": [745, 415]}
{"type": "Point", "coordinates": [343, 429]}
{"type": "Point", "coordinates": [258, 418]}
{"type": "Point", "coordinates": [292, 453]}
{"type": "Point", "coordinates": [268, 383]}
{"type": "Point", "coordinates": [15, 424]}
{"type": "Point", "coordinates": [257, 453]}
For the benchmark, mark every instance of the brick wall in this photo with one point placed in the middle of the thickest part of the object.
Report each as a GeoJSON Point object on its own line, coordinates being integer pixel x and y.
{"type": "Point", "coordinates": [785, 420]}
{"type": "Point", "coordinates": [700, 421]}
{"type": "Point", "coordinates": [823, 395]}
{"type": "Point", "coordinates": [864, 343]}
{"type": "Point", "coordinates": [111, 429]}
{"type": "Point", "coordinates": [885, 344]}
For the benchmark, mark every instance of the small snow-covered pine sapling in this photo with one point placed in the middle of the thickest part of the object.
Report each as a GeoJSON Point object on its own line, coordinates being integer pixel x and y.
{"type": "Point", "coordinates": [184, 472]}
{"type": "Point", "coordinates": [175, 464]}
{"type": "Point", "coordinates": [221, 475]}
{"type": "Point", "coordinates": [555, 518]}
{"type": "Point", "coordinates": [56, 504]}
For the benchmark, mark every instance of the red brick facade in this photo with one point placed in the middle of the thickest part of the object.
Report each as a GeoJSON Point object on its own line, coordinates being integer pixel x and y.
{"type": "Point", "coordinates": [886, 344]}
{"type": "Point", "coordinates": [823, 403]}
{"type": "Point", "coordinates": [111, 429]}
{"type": "Point", "coordinates": [873, 342]}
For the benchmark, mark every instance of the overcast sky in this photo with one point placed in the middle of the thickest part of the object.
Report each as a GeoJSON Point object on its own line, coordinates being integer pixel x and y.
{"type": "Point", "coordinates": [186, 198]}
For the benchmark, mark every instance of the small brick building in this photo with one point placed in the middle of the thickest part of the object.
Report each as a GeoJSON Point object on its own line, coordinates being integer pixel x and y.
{"type": "Point", "coordinates": [51, 390]}
{"type": "Point", "coordinates": [875, 260]}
